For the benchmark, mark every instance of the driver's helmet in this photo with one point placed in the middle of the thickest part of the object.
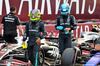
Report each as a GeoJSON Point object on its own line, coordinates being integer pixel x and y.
{"type": "Point", "coordinates": [64, 9]}
{"type": "Point", "coordinates": [95, 28]}
{"type": "Point", "coordinates": [35, 15]}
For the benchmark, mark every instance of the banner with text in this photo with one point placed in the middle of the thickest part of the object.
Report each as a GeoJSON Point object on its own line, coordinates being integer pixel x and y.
{"type": "Point", "coordinates": [81, 9]}
{"type": "Point", "coordinates": [51, 32]}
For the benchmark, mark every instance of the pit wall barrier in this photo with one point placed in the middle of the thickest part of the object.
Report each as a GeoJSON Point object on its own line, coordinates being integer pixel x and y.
{"type": "Point", "coordinates": [51, 32]}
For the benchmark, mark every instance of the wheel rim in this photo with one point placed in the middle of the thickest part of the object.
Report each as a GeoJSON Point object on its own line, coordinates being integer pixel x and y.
{"type": "Point", "coordinates": [40, 57]}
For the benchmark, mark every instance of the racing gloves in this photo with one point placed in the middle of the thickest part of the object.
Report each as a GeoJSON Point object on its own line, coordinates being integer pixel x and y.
{"type": "Point", "coordinates": [24, 45]}
{"type": "Point", "coordinates": [66, 30]}
{"type": "Point", "coordinates": [59, 27]}
{"type": "Point", "coordinates": [38, 41]}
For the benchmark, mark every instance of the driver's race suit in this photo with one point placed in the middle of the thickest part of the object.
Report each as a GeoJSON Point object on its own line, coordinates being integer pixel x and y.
{"type": "Point", "coordinates": [33, 31]}
{"type": "Point", "coordinates": [66, 22]}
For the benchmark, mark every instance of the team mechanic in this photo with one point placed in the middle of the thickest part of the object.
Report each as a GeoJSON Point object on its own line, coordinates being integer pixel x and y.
{"type": "Point", "coordinates": [33, 30]}
{"type": "Point", "coordinates": [10, 23]}
{"type": "Point", "coordinates": [65, 23]}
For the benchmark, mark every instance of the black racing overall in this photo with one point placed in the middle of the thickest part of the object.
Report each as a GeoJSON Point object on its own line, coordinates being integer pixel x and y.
{"type": "Point", "coordinates": [32, 46]}
{"type": "Point", "coordinates": [33, 30]}
{"type": "Point", "coordinates": [65, 39]}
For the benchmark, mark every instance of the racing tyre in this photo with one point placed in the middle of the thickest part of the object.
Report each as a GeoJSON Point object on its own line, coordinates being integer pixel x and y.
{"type": "Point", "coordinates": [41, 57]}
{"type": "Point", "coordinates": [67, 57]}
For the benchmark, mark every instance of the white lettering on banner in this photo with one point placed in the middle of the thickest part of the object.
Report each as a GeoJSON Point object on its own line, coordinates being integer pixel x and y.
{"type": "Point", "coordinates": [81, 30]}
{"type": "Point", "coordinates": [64, 1]}
{"type": "Point", "coordinates": [57, 6]}
{"type": "Point", "coordinates": [78, 32]}
{"type": "Point", "coordinates": [49, 8]}
{"type": "Point", "coordinates": [29, 4]}
{"type": "Point", "coordinates": [42, 6]}
{"type": "Point", "coordinates": [1, 2]}
{"type": "Point", "coordinates": [86, 28]}
{"type": "Point", "coordinates": [91, 12]}
{"type": "Point", "coordinates": [83, 7]}
{"type": "Point", "coordinates": [36, 4]}
{"type": "Point", "coordinates": [7, 6]}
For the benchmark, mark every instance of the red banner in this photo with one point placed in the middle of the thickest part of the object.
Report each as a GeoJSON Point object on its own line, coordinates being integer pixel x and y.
{"type": "Point", "coordinates": [84, 27]}
{"type": "Point", "coordinates": [51, 32]}
{"type": "Point", "coordinates": [81, 9]}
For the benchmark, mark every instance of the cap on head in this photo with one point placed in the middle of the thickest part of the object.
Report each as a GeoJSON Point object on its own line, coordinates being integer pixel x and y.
{"type": "Point", "coordinates": [35, 15]}
{"type": "Point", "coordinates": [64, 9]}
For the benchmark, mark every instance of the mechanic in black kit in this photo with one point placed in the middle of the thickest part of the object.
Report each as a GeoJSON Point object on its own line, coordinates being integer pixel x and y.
{"type": "Point", "coordinates": [65, 23]}
{"type": "Point", "coordinates": [10, 23]}
{"type": "Point", "coordinates": [33, 30]}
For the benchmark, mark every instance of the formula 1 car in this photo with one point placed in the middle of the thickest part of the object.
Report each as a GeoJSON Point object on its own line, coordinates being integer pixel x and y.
{"type": "Point", "coordinates": [83, 53]}
{"type": "Point", "coordinates": [50, 51]}
{"type": "Point", "coordinates": [14, 54]}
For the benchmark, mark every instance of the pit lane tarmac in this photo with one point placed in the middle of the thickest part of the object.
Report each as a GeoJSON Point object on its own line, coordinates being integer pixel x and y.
{"type": "Point", "coordinates": [51, 63]}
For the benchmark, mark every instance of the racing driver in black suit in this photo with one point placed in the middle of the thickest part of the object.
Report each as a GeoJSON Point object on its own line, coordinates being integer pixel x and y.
{"type": "Point", "coordinates": [65, 23]}
{"type": "Point", "coordinates": [33, 30]}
